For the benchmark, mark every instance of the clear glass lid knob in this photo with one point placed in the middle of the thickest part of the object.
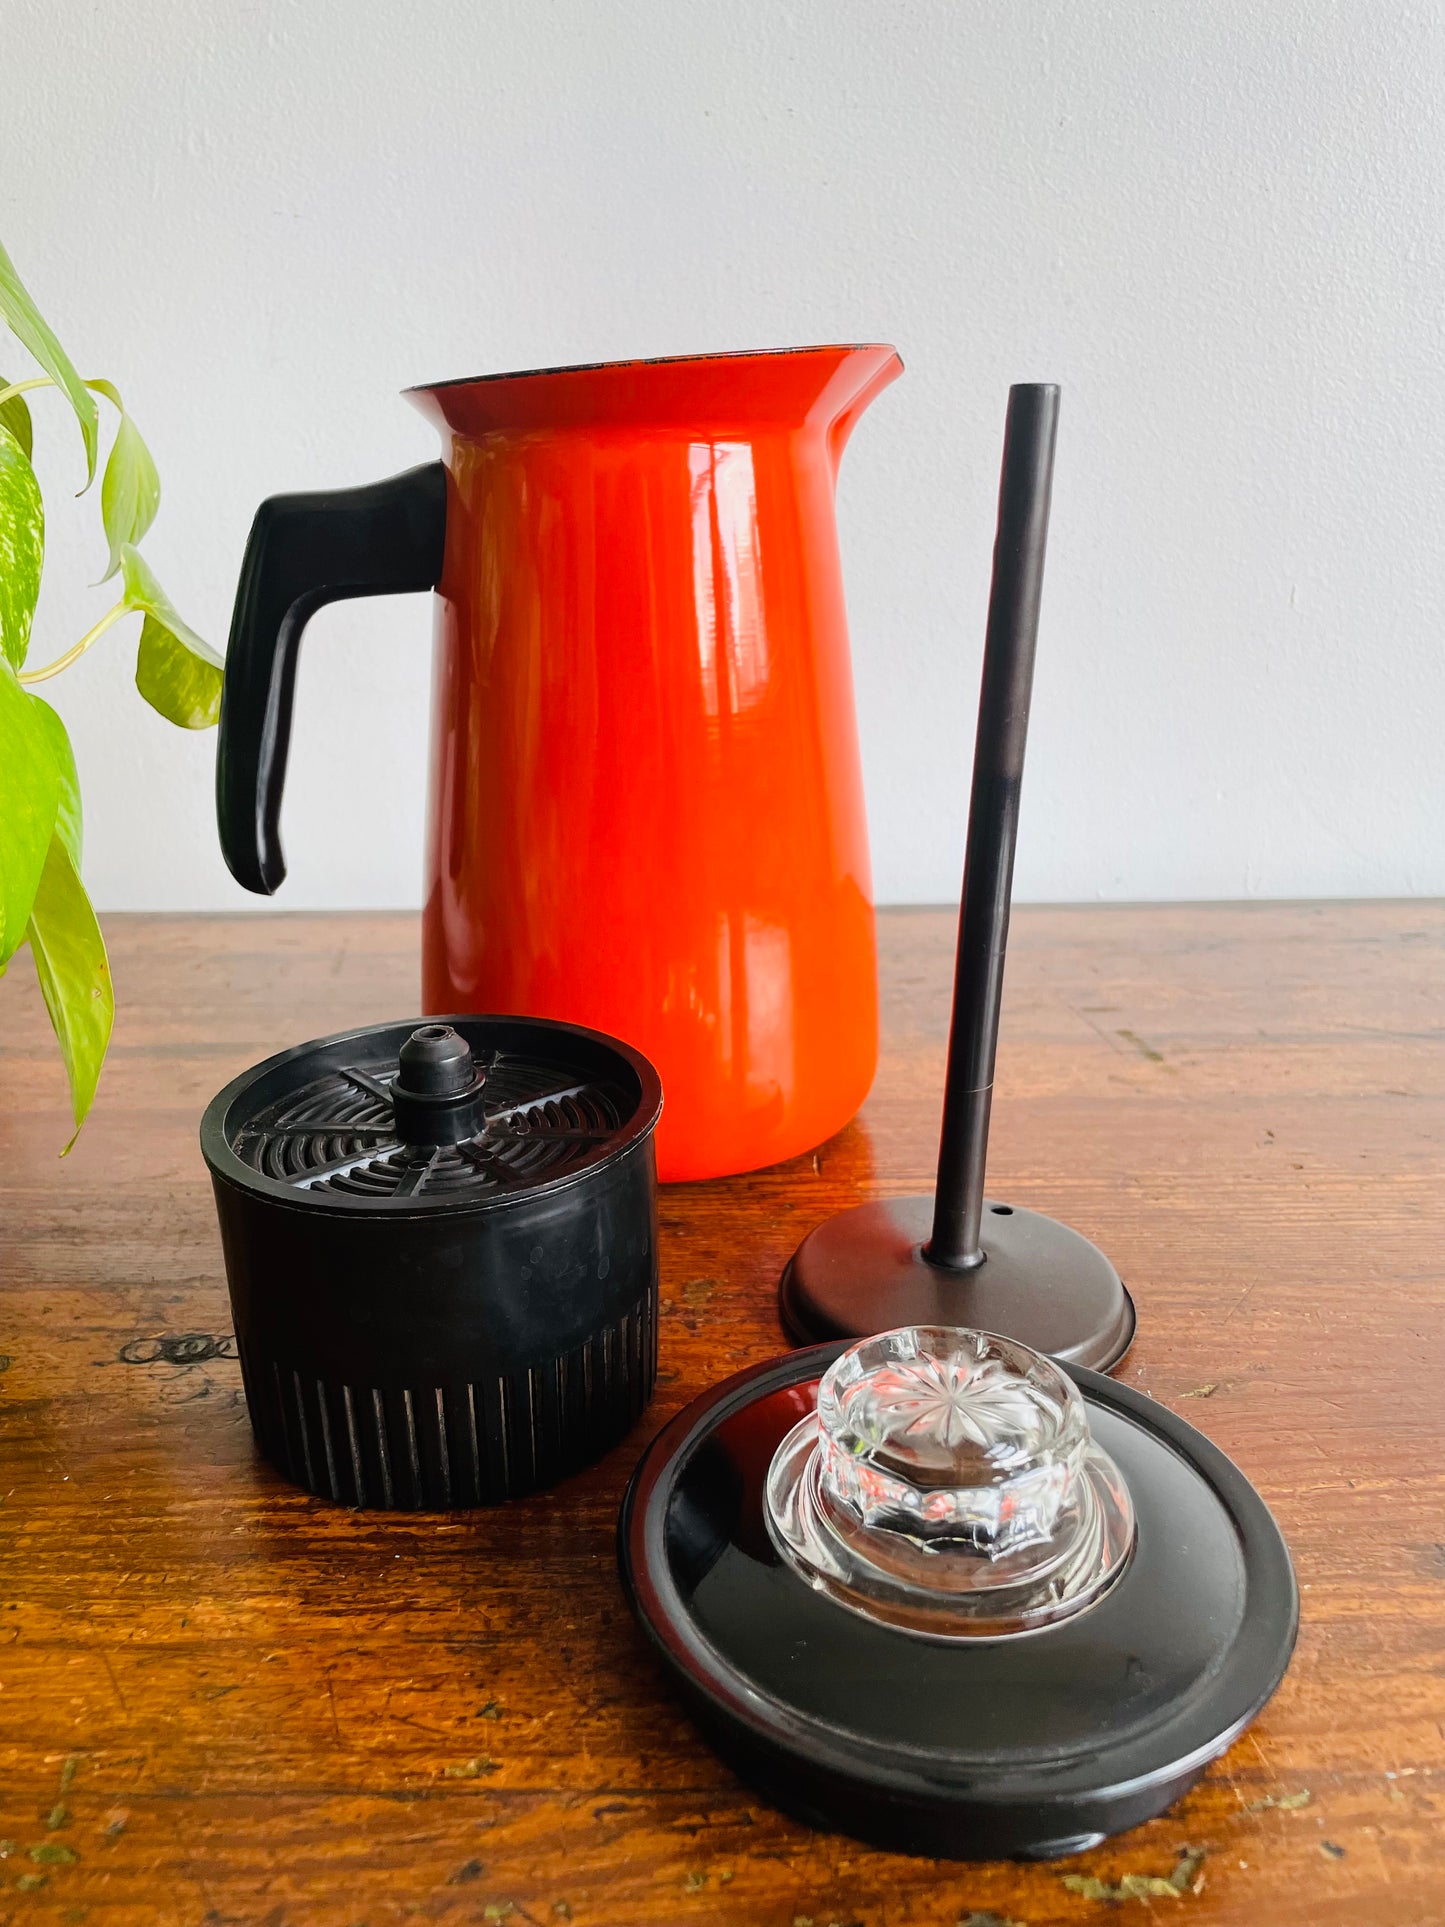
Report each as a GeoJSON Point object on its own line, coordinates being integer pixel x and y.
{"type": "Point", "coordinates": [948, 1484]}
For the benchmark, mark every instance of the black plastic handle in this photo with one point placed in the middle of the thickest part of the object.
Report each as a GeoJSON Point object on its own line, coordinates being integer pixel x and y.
{"type": "Point", "coordinates": [305, 550]}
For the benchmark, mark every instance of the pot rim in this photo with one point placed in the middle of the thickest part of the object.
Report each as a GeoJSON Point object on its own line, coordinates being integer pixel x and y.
{"type": "Point", "coordinates": [651, 361]}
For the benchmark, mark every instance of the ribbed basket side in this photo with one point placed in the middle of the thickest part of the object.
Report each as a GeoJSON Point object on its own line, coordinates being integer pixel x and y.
{"type": "Point", "coordinates": [433, 1447]}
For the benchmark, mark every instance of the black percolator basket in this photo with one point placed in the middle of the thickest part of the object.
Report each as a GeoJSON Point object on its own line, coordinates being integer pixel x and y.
{"type": "Point", "coordinates": [440, 1242]}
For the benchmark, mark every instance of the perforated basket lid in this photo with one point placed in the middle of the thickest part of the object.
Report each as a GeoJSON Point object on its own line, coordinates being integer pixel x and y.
{"type": "Point", "coordinates": [430, 1114]}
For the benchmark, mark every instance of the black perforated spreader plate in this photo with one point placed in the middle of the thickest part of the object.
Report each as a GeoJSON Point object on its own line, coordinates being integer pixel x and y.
{"type": "Point", "coordinates": [315, 1123]}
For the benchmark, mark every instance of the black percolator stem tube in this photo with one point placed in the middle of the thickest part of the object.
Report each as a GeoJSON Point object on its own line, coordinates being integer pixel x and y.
{"type": "Point", "coordinates": [998, 764]}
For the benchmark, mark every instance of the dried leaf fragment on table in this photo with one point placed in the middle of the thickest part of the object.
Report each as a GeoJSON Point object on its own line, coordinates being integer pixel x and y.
{"type": "Point", "coordinates": [55, 1853]}
{"type": "Point", "coordinates": [1185, 1878]}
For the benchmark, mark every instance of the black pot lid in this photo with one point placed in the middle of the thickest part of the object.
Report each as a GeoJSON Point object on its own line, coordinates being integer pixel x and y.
{"type": "Point", "coordinates": [966, 1602]}
{"type": "Point", "coordinates": [431, 1113]}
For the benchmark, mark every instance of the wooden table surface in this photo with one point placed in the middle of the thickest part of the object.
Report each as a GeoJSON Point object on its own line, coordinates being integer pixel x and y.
{"type": "Point", "coordinates": [222, 1701]}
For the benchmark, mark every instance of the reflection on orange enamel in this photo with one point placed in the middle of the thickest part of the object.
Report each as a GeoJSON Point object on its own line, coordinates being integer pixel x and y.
{"type": "Point", "coordinates": [726, 571]}
{"type": "Point", "coordinates": [646, 806]}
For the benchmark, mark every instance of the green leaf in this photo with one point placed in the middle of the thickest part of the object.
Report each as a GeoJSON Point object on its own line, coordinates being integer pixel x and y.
{"type": "Point", "coordinates": [130, 489]}
{"type": "Point", "coordinates": [74, 974]}
{"type": "Point", "coordinates": [22, 547]}
{"type": "Point", "coordinates": [15, 415]}
{"type": "Point", "coordinates": [67, 811]}
{"type": "Point", "coordinates": [29, 800]}
{"type": "Point", "coordinates": [32, 332]}
{"type": "Point", "coordinates": [176, 672]}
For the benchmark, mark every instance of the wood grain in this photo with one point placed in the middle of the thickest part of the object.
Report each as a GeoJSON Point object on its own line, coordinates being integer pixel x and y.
{"type": "Point", "coordinates": [280, 1712]}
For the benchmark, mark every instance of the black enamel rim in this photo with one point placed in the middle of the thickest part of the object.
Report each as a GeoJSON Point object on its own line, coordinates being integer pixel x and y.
{"type": "Point", "coordinates": [647, 361]}
{"type": "Point", "coordinates": [217, 1125]}
{"type": "Point", "coordinates": [1176, 1745]}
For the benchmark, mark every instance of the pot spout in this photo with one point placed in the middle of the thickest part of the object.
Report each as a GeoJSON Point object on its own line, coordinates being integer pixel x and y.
{"type": "Point", "coordinates": [864, 376]}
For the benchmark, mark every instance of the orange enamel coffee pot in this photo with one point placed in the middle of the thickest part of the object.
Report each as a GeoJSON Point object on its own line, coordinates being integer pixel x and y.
{"type": "Point", "coordinates": [646, 812]}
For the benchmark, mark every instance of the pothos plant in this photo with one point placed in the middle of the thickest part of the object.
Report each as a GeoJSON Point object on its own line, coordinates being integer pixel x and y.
{"type": "Point", "coordinates": [42, 899]}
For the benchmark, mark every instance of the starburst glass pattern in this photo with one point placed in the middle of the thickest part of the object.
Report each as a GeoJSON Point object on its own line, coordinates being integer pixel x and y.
{"type": "Point", "coordinates": [949, 1482]}
{"type": "Point", "coordinates": [951, 1402]}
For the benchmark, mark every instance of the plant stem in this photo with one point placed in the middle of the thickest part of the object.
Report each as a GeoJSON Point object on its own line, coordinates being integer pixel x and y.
{"type": "Point", "coordinates": [97, 386]}
{"type": "Point", "coordinates": [24, 387]}
{"type": "Point", "coordinates": [78, 649]}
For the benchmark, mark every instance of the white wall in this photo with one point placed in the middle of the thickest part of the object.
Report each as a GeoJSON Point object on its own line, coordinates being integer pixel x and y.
{"type": "Point", "coordinates": [1221, 227]}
